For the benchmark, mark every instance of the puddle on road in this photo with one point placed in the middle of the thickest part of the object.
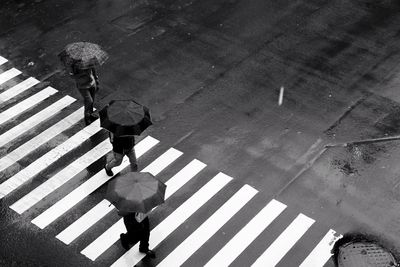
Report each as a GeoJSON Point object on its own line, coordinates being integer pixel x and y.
{"type": "Point", "coordinates": [357, 157]}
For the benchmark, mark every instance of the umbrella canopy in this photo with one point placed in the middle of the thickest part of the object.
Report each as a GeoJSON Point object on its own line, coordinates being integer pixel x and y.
{"type": "Point", "coordinates": [136, 192]}
{"type": "Point", "coordinates": [125, 117]}
{"type": "Point", "coordinates": [83, 55]}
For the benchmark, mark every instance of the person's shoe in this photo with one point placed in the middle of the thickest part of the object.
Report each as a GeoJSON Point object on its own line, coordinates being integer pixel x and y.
{"type": "Point", "coordinates": [94, 116]}
{"type": "Point", "coordinates": [109, 172]}
{"type": "Point", "coordinates": [124, 242]}
{"type": "Point", "coordinates": [148, 253]}
{"type": "Point", "coordinates": [88, 121]}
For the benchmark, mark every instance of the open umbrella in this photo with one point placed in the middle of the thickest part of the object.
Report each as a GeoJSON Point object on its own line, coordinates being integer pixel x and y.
{"type": "Point", "coordinates": [83, 55]}
{"type": "Point", "coordinates": [125, 117]}
{"type": "Point", "coordinates": [135, 192]}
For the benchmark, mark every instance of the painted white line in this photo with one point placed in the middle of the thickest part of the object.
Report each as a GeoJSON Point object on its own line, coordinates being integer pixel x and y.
{"type": "Point", "coordinates": [40, 139]}
{"type": "Point", "coordinates": [63, 176]}
{"type": "Point", "coordinates": [286, 240]}
{"type": "Point", "coordinates": [191, 244]}
{"type": "Point", "coordinates": [104, 207]}
{"type": "Point", "coordinates": [280, 101]}
{"type": "Point", "coordinates": [2, 60]}
{"type": "Point", "coordinates": [174, 220]}
{"type": "Point", "coordinates": [18, 89]}
{"type": "Point", "coordinates": [183, 176]}
{"type": "Point", "coordinates": [8, 75]}
{"type": "Point", "coordinates": [247, 234]}
{"type": "Point", "coordinates": [86, 221]}
{"type": "Point", "coordinates": [47, 159]}
{"type": "Point", "coordinates": [36, 119]}
{"type": "Point", "coordinates": [26, 104]}
{"type": "Point", "coordinates": [78, 194]}
{"type": "Point", "coordinates": [322, 252]}
{"type": "Point", "coordinates": [111, 235]}
{"type": "Point", "coordinates": [163, 161]}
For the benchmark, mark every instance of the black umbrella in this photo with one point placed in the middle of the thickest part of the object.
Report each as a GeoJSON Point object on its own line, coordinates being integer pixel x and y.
{"type": "Point", "coordinates": [83, 55]}
{"type": "Point", "coordinates": [125, 117]}
{"type": "Point", "coordinates": [135, 192]}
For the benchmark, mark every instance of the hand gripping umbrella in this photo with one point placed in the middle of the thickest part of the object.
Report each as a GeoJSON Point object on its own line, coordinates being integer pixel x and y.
{"type": "Point", "coordinates": [83, 55]}
{"type": "Point", "coordinates": [125, 117]}
{"type": "Point", "coordinates": [135, 192]}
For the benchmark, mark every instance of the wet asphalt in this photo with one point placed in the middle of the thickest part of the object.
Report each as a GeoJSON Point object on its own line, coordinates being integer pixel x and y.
{"type": "Point", "coordinates": [210, 71]}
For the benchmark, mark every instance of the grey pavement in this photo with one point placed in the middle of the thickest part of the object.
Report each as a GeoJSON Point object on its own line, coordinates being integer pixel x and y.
{"type": "Point", "coordinates": [210, 71]}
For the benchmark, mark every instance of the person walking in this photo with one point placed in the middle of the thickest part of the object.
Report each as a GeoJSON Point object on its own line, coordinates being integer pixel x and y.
{"type": "Point", "coordinates": [138, 230]}
{"type": "Point", "coordinates": [87, 83]}
{"type": "Point", "coordinates": [80, 60]}
{"type": "Point", "coordinates": [122, 146]}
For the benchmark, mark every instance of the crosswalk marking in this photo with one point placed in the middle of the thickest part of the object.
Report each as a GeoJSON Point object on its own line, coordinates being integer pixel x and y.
{"type": "Point", "coordinates": [47, 159]}
{"type": "Point", "coordinates": [61, 177]}
{"type": "Point", "coordinates": [109, 237]}
{"type": "Point", "coordinates": [36, 119]}
{"type": "Point", "coordinates": [162, 161]}
{"type": "Point", "coordinates": [322, 252]}
{"type": "Point", "coordinates": [103, 208]}
{"type": "Point", "coordinates": [8, 75]}
{"type": "Point", "coordinates": [26, 104]}
{"type": "Point", "coordinates": [40, 139]}
{"type": "Point", "coordinates": [175, 219]}
{"type": "Point", "coordinates": [247, 234]}
{"type": "Point", "coordinates": [86, 221]}
{"type": "Point", "coordinates": [18, 89]}
{"type": "Point", "coordinates": [191, 244]}
{"type": "Point", "coordinates": [286, 240]}
{"type": "Point", "coordinates": [78, 194]}
{"type": "Point", "coordinates": [183, 176]}
{"type": "Point", "coordinates": [2, 60]}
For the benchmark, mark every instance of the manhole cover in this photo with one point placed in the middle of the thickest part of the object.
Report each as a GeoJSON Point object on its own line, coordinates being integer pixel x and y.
{"type": "Point", "coordinates": [365, 254]}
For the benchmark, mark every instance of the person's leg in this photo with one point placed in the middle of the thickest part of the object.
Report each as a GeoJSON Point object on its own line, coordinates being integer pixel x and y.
{"type": "Point", "coordinates": [132, 234]}
{"type": "Point", "coordinates": [88, 104]}
{"type": "Point", "coordinates": [116, 161]}
{"type": "Point", "coordinates": [132, 159]}
{"type": "Point", "coordinates": [145, 235]}
{"type": "Point", "coordinates": [144, 238]}
{"type": "Point", "coordinates": [93, 90]}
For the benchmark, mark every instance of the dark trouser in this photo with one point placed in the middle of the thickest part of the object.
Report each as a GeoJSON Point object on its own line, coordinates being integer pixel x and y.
{"type": "Point", "coordinates": [137, 231]}
{"type": "Point", "coordinates": [88, 95]}
{"type": "Point", "coordinates": [117, 160]}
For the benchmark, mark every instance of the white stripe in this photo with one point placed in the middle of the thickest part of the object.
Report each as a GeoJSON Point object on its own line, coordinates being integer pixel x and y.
{"type": "Point", "coordinates": [73, 198]}
{"type": "Point", "coordinates": [26, 104]}
{"type": "Point", "coordinates": [8, 75]}
{"type": "Point", "coordinates": [17, 89]}
{"type": "Point", "coordinates": [47, 159]}
{"type": "Point", "coordinates": [322, 252]}
{"type": "Point", "coordinates": [162, 161]}
{"type": "Point", "coordinates": [61, 177]}
{"type": "Point", "coordinates": [191, 244]}
{"type": "Point", "coordinates": [36, 119]}
{"type": "Point", "coordinates": [2, 60]}
{"type": "Point", "coordinates": [286, 240]}
{"type": "Point", "coordinates": [40, 139]}
{"type": "Point", "coordinates": [85, 222]}
{"type": "Point", "coordinates": [103, 208]}
{"type": "Point", "coordinates": [174, 220]}
{"type": "Point", "coordinates": [109, 237]}
{"type": "Point", "coordinates": [247, 234]}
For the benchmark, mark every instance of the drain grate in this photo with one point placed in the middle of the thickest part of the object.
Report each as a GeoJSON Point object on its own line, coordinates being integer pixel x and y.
{"type": "Point", "coordinates": [365, 254]}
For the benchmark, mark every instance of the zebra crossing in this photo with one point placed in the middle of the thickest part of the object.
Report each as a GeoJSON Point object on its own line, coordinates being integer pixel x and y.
{"type": "Point", "coordinates": [229, 211]}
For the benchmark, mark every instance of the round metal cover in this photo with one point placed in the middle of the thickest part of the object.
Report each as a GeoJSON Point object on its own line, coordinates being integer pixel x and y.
{"type": "Point", "coordinates": [365, 254]}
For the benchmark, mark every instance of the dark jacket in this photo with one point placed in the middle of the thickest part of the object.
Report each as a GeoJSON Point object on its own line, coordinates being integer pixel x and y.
{"type": "Point", "coordinates": [122, 143]}
{"type": "Point", "coordinates": [85, 78]}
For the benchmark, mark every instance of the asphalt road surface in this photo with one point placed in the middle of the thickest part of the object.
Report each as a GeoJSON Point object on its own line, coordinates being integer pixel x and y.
{"type": "Point", "coordinates": [249, 181]}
